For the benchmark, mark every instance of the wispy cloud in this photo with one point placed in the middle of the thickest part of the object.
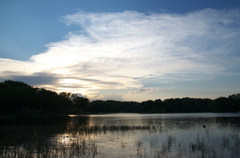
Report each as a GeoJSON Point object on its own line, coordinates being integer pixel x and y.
{"type": "Point", "coordinates": [117, 50]}
{"type": "Point", "coordinates": [111, 96]}
{"type": "Point", "coordinates": [147, 90]}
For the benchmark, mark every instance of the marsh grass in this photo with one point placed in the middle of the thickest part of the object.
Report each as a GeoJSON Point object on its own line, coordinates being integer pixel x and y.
{"type": "Point", "coordinates": [80, 141]}
{"type": "Point", "coordinates": [28, 143]}
{"type": "Point", "coordinates": [201, 147]}
{"type": "Point", "coordinates": [35, 141]}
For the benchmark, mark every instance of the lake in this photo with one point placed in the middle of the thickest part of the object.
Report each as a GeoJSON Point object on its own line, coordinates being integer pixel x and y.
{"type": "Point", "coordinates": [122, 135]}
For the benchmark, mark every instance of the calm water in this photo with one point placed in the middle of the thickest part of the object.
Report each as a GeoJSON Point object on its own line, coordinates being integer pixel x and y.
{"type": "Point", "coordinates": [123, 135]}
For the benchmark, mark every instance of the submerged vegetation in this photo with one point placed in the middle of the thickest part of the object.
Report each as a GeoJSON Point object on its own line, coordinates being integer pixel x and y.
{"type": "Point", "coordinates": [34, 141]}
{"type": "Point", "coordinates": [208, 146]}
{"type": "Point", "coordinates": [86, 141]}
{"type": "Point", "coordinates": [19, 97]}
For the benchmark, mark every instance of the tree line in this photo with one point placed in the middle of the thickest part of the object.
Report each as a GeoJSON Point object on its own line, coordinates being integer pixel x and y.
{"type": "Point", "coordinates": [21, 97]}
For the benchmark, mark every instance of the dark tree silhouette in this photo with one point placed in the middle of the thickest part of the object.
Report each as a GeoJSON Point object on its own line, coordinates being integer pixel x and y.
{"type": "Point", "coordinates": [17, 96]}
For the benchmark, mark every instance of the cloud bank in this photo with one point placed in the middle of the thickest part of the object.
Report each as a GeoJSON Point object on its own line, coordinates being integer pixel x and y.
{"type": "Point", "coordinates": [117, 50]}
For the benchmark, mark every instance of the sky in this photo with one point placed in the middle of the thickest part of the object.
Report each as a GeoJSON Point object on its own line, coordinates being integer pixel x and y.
{"type": "Point", "coordinates": [128, 50]}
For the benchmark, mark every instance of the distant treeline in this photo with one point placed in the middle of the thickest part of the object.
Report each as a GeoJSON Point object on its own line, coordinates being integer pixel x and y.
{"type": "Point", "coordinates": [20, 97]}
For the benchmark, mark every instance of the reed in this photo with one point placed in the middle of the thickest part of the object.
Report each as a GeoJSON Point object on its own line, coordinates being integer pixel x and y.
{"type": "Point", "coordinates": [80, 141]}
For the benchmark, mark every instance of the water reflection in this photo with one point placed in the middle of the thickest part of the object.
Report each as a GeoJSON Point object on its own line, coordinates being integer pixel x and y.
{"type": "Point", "coordinates": [73, 120]}
{"type": "Point", "coordinates": [129, 135]}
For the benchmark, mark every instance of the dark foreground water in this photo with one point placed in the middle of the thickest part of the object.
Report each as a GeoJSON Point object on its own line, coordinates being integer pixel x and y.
{"type": "Point", "coordinates": [122, 135]}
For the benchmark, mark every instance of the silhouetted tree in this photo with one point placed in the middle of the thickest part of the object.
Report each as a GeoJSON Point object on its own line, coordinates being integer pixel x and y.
{"type": "Point", "coordinates": [80, 102]}
{"type": "Point", "coordinates": [18, 96]}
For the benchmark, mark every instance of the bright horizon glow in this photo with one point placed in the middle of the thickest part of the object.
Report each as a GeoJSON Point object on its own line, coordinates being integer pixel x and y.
{"type": "Point", "coordinates": [72, 81]}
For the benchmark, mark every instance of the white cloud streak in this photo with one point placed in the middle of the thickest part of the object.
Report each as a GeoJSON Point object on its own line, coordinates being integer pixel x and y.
{"type": "Point", "coordinates": [113, 49]}
{"type": "Point", "coordinates": [111, 96]}
{"type": "Point", "coordinates": [147, 90]}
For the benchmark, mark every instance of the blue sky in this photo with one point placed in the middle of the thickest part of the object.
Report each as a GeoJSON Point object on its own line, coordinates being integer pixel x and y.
{"type": "Point", "coordinates": [123, 50]}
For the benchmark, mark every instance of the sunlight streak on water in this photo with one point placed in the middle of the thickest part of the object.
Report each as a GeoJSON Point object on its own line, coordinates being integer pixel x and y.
{"type": "Point", "coordinates": [139, 135]}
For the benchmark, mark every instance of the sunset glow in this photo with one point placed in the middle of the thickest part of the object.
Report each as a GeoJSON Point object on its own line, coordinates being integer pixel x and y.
{"type": "Point", "coordinates": [126, 54]}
